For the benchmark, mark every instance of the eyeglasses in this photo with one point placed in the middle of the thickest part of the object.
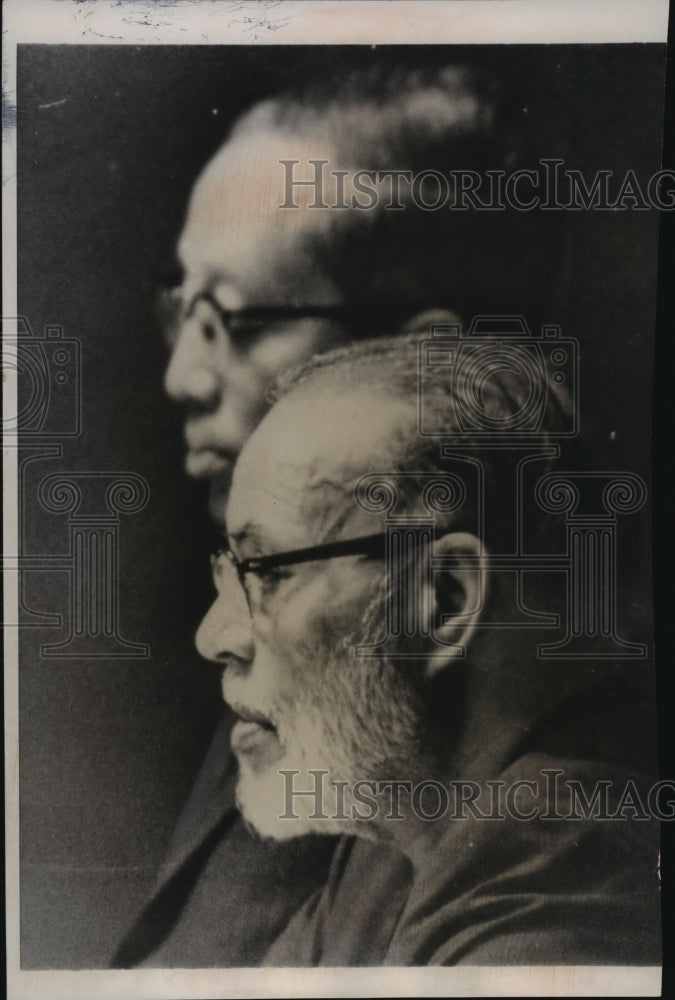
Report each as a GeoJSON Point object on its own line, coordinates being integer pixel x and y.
{"type": "Point", "coordinates": [242, 325]}
{"type": "Point", "coordinates": [228, 568]}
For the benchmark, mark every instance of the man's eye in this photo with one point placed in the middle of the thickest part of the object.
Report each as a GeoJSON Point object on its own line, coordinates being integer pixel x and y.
{"type": "Point", "coordinates": [271, 578]}
{"type": "Point", "coordinates": [243, 329]}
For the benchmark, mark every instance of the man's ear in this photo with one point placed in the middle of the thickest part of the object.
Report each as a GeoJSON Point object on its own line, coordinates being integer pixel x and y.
{"type": "Point", "coordinates": [459, 588]}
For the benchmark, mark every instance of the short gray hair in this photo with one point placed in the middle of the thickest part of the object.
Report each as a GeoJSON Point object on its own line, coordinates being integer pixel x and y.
{"type": "Point", "coordinates": [424, 119]}
{"type": "Point", "coordinates": [389, 366]}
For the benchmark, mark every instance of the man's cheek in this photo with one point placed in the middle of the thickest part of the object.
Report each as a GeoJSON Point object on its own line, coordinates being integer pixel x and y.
{"type": "Point", "coordinates": [317, 618]}
{"type": "Point", "coordinates": [275, 351]}
{"type": "Point", "coordinates": [306, 650]}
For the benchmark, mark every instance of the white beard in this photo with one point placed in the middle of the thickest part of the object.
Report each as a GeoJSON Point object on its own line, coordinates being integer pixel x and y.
{"type": "Point", "coordinates": [270, 801]}
{"type": "Point", "coordinates": [359, 720]}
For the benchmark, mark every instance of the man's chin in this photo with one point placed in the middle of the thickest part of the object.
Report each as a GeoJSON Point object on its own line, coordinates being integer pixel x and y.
{"type": "Point", "coordinates": [266, 803]}
{"type": "Point", "coordinates": [219, 488]}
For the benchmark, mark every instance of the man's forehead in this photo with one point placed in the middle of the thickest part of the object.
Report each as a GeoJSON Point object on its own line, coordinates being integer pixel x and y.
{"type": "Point", "coordinates": [240, 193]}
{"type": "Point", "coordinates": [298, 471]}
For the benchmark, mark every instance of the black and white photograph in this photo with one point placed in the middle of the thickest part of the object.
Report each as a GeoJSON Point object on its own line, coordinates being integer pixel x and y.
{"type": "Point", "coordinates": [328, 354]}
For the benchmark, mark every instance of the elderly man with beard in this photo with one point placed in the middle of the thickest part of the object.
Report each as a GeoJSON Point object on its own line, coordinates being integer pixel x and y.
{"type": "Point", "coordinates": [303, 585]}
{"type": "Point", "coordinates": [266, 286]}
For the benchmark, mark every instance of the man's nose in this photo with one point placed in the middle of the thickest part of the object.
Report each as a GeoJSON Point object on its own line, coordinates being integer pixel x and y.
{"type": "Point", "coordinates": [192, 375]}
{"type": "Point", "coordinates": [226, 631]}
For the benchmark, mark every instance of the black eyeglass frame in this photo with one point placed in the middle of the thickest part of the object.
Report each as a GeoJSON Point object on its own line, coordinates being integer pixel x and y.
{"type": "Point", "coordinates": [267, 312]}
{"type": "Point", "coordinates": [171, 297]}
{"type": "Point", "coordinates": [372, 545]}
{"type": "Point", "coordinates": [365, 312]}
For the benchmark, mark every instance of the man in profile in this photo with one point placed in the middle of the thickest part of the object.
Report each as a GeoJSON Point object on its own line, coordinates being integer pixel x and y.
{"type": "Point", "coordinates": [266, 286]}
{"type": "Point", "coordinates": [283, 257]}
{"type": "Point", "coordinates": [447, 737]}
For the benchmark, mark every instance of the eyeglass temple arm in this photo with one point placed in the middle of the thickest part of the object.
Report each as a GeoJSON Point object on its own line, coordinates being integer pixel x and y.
{"type": "Point", "coordinates": [366, 310]}
{"type": "Point", "coordinates": [364, 545]}
{"type": "Point", "coordinates": [267, 312]}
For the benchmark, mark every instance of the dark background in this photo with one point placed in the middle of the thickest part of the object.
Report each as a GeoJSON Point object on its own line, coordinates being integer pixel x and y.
{"type": "Point", "coordinates": [109, 748]}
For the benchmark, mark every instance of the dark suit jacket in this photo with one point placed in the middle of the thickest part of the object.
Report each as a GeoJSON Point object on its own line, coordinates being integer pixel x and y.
{"type": "Point", "coordinates": [223, 895]}
{"type": "Point", "coordinates": [493, 892]}
{"type": "Point", "coordinates": [533, 892]}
